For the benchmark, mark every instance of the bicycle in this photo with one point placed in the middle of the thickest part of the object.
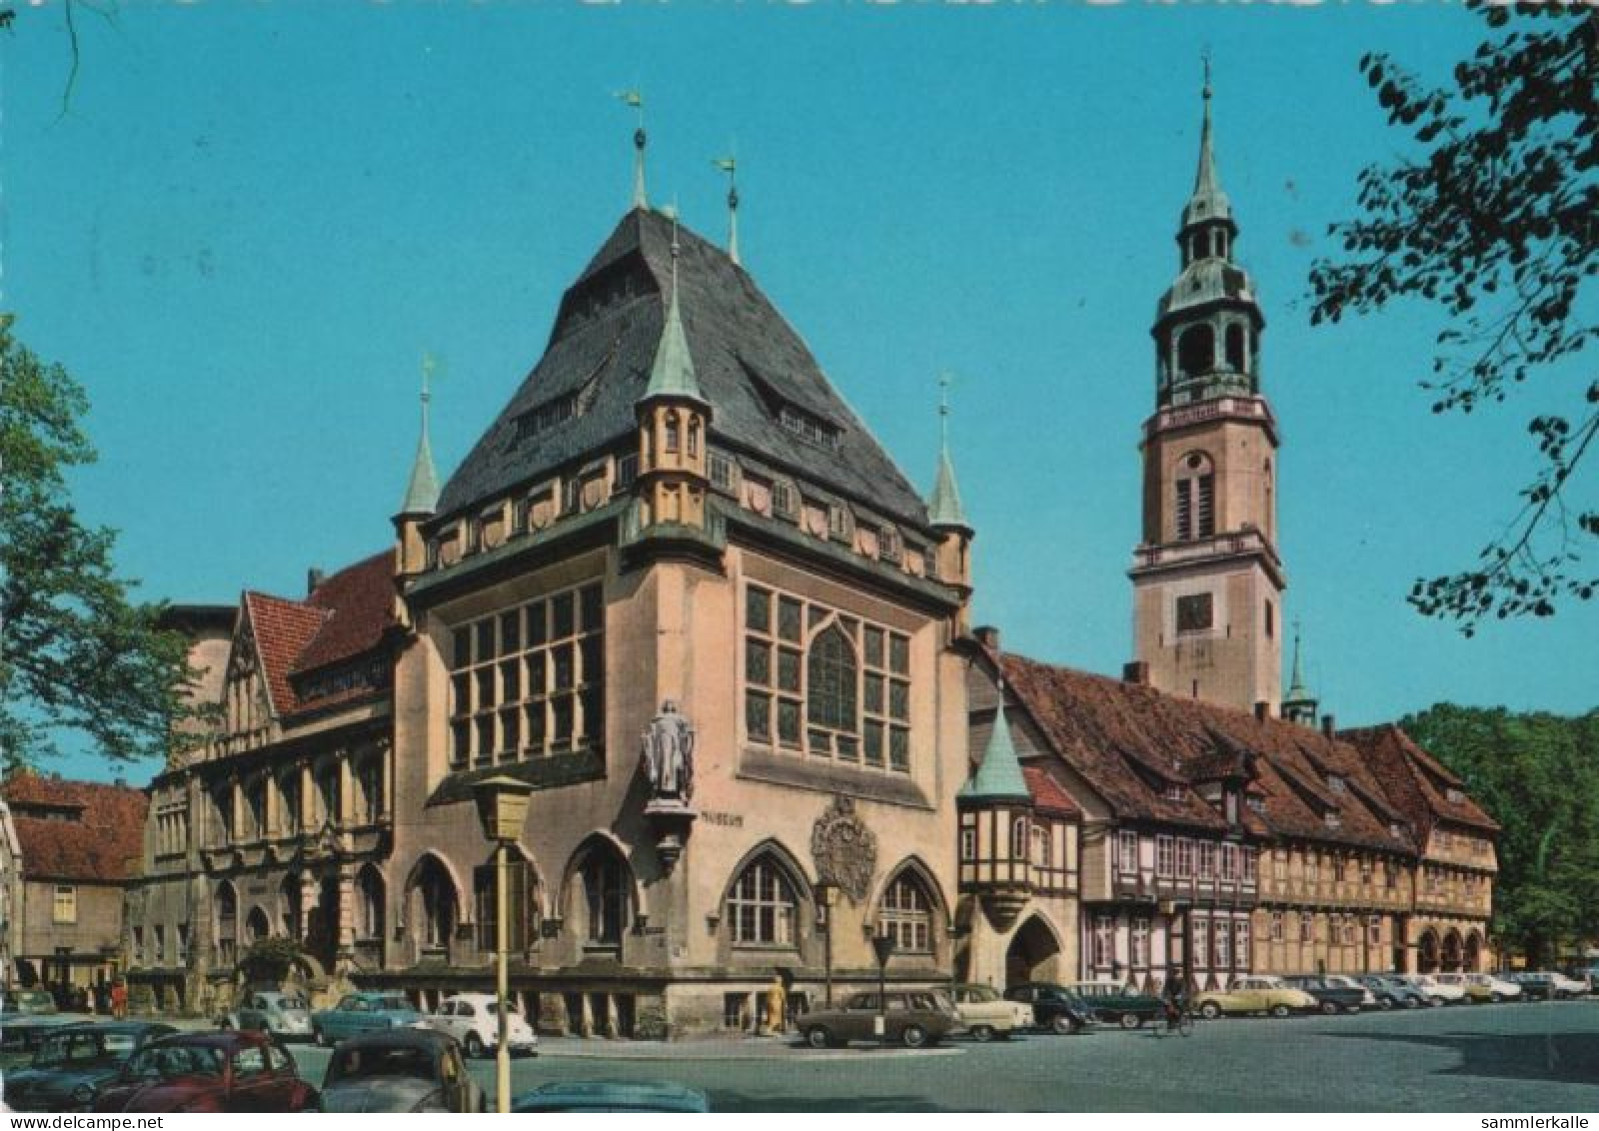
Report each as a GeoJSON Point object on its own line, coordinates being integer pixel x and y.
{"type": "Point", "coordinates": [1178, 1019]}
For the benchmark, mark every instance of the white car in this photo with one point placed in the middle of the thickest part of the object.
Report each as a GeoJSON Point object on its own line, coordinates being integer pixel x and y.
{"type": "Point", "coordinates": [1559, 986]}
{"type": "Point", "coordinates": [1450, 993]}
{"type": "Point", "coordinates": [473, 1019]}
{"type": "Point", "coordinates": [1482, 987]}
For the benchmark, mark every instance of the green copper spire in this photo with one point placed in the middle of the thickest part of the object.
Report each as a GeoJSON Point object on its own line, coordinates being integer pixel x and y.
{"type": "Point", "coordinates": [999, 778]}
{"type": "Point", "coordinates": [636, 100]}
{"type": "Point", "coordinates": [729, 165]}
{"type": "Point", "coordinates": [1297, 691]}
{"type": "Point", "coordinates": [672, 375]}
{"type": "Point", "coordinates": [944, 507]}
{"type": "Point", "coordinates": [422, 492]}
{"type": "Point", "coordinates": [1208, 202]}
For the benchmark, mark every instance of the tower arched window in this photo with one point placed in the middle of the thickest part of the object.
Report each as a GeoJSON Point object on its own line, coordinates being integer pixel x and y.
{"type": "Point", "coordinates": [831, 678]}
{"type": "Point", "coordinates": [1196, 350]}
{"type": "Point", "coordinates": [1201, 245]}
{"type": "Point", "coordinates": [1235, 348]}
{"type": "Point", "coordinates": [1195, 512]}
{"type": "Point", "coordinates": [1019, 838]}
{"type": "Point", "coordinates": [762, 906]}
{"type": "Point", "coordinates": [693, 438]}
{"type": "Point", "coordinates": [672, 433]}
{"type": "Point", "coordinates": [906, 914]}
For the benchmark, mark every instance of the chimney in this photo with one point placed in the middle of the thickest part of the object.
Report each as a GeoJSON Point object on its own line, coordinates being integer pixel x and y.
{"type": "Point", "coordinates": [313, 578]}
{"type": "Point", "coordinates": [1262, 710]}
{"type": "Point", "coordinates": [988, 636]}
{"type": "Point", "coordinates": [1137, 672]}
{"type": "Point", "coordinates": [1329, 725]}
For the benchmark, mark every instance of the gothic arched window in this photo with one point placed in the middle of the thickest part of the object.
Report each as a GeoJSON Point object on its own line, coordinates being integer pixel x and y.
{"type": "Point", "coordinates": [438, 904]}
{"type": "Point", "coordinates": [369, 904]}
{"type": "Point", "coordinates": [831, 677]}
{"type": "Point", "coordinates": [761, 907]}
{"type": "Point", "coordinates": [673, 430]}
{"type": "Point", "coordinates": [906, 914]}
{"type": "Point", "coordinates": [604, 894]}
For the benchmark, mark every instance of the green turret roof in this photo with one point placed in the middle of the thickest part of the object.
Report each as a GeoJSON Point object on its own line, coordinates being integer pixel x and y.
{"type": "Point", "coordinates": [1297, 691]}
{"type": "Point", "coordinates": [999, 778]}
{"type": "Point", "coordinates": [944, 507]}
{"type": "Point", "coordinates": [672, 374]}
{"type": "Point", "coordinates": [422, 491]}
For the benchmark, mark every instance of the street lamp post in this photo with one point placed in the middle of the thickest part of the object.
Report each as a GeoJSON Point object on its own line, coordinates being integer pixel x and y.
{"type": "Point", "coordinates": [827, 896]}
{"type": "Point", "coordinates": [502, 804]}
{"type": "Point", "coordinates": [883, 945]}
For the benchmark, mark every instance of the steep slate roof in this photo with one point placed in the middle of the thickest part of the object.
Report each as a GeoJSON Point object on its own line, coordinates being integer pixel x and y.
{"type": "Point", "coordinates": [1129, 740]}
{"type": "Point", "coordinates": [97, 836]}
{"type": "Point", "coordinates": [747, 360]}
{"type": "Point", "coordinates": [1416, 781]}
{"type": "Point", "coordinates": [346, 615]}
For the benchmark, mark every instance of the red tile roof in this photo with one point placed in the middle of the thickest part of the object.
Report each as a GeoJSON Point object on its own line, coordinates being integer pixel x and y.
{"type": "Point", "coordinates": [1416, 781]}
{"type": "Point", "coordinates": [1132, 743]}
{"type": "Point", "coordinates": [1048, 796]}
{"type": "Point", "coordinates": [345, 616]}
{"type": "Point", "coordinates": [282, 631]}
{"type": "Point", "coordinates": [75, 830]}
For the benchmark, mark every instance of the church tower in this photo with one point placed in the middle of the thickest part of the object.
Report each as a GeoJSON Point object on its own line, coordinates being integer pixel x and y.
{"type": "Point", "coordinates": [1207, 578]}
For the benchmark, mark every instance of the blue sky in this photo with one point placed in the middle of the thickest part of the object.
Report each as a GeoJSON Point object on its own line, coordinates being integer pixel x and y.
{"type": "Point", "coordinates": [252, 220]}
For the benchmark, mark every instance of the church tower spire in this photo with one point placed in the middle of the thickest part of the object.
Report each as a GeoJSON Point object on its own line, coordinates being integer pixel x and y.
{"type": "Point", "coordinates": [953, 555]}
{"type": "Point", "coordinates": [421, 490]}
{"type": "Point", "coordinates": [1299, 705]}
{"type": "Point", "coordinates": [1207, 578]}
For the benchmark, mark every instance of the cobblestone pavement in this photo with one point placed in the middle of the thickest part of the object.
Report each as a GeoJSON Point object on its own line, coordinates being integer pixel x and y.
{"type": "Point", "coordinates": [1506, 1058]}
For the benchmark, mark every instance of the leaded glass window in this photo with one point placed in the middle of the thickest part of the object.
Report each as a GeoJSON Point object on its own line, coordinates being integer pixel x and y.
{"type": "Point", "coordinates": [761, 906]}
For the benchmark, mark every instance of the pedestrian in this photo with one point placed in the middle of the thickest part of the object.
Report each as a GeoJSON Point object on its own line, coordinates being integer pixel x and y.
{"type": "Point", "coordinates": [119, 999]}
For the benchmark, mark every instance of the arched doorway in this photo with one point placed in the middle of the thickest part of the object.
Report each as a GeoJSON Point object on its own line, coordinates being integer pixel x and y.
{"type": "Point", "coordinates": [1451, 955]}
{"type": "Point", "coordinates": [1033, 954]}
{"type": "Point", "coordinates": [289, 902]}
{"type": "Point", "coordinates": [1473, 952]}
{"type": "Point", "coordinates": [322, 923]}
{"type": "Point", "coordinates": [433, 903]}
{"type": "Point", "coordinates": [256, 927]}
{"type": "Point", "coordinates": [1427, 952]}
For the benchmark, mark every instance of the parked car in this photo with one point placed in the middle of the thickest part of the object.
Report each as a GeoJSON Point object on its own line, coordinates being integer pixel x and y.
{"type": "Point", "coordinates": [399, 1070]}
{"type": "Point", "coordinates": [631, 1095]}
{"type": "Point", "coordinates": [1482, 987]}
{"type": "Point", "coordinates": [1054, 1007]}
{"type": "Point", "coordinates": [21, 1037]}
{"type": "Point", "coordinates": [1546, 985]}
{"type": "Point", "coordinates": [286, 1016]}
{"type": "Point", "coordinates": [474, 1020]}
{"type": "Point", "coordinates": [986, 1013]}
{"type": "Point", "coordinates": [1367, 1001]}
{"type": "Point", "coordinates": [1589, 975]}
{"type": "Point", "coordinates": [1444, 993]}
{"type": "Point", "coordinates": [362, 1012]}
{"type": "Point", "coordinates": [1392, 992]}
{"type": "Point", "coordinates": [27, 1002]}
{"type": "Point", "coordinates": [74, 1062]}
{"type": "Point", "coordinates": [1253, 993]}
{"type": "Point", "coordinates": [240, 1070]}
{"type": "Point", "coordinates": [913, 1018]}
{"type": "Point", "coordinates": [1112, 1002]}
{"type": "Point", "coordinates": [1331, 997]}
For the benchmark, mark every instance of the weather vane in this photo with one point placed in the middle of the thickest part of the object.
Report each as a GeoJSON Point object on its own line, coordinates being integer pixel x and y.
{"type": "Point", "coordinates": [729, 165]}
{"type": "Point", "coordinates": [636, 100]}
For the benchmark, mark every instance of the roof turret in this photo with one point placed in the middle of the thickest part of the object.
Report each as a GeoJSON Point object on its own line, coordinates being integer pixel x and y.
{"type": "Point", "coordinates": [1000, 777]}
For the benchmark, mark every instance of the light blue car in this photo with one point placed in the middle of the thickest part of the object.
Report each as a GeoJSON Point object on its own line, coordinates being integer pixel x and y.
{"type": "Point", "coordinates": [363, 1013]}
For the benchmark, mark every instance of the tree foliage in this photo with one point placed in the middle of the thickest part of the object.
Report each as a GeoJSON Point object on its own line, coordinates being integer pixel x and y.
{"type": "Point", "coordinates": [1493, 214]}
{"type": "Point", "coordinates": [1538, 775]}
{"type": "Point", "coordinates": [76, 654]}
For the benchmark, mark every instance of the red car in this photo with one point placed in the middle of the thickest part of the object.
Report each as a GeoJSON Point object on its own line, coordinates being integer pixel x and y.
{"type": "Point", "coordinates": [228, 1071]}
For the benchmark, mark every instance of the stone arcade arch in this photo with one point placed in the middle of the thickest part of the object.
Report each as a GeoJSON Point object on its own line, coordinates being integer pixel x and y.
{"type": "Point", "coordinates": [1451, 954]}
{"type": "Point", "coordinates": [1034, 954]}
{"type": "Point", "coordinates": [1427, 952]}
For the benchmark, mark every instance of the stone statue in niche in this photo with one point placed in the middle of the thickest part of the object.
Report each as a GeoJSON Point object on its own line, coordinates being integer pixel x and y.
{"type": "Point", "coordinates": [668, 755]}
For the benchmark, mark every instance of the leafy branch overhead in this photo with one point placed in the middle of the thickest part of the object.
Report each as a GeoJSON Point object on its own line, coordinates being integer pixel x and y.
{"type": "Point", "coordinates": [1493, 214]}
{"type": "Point", "coordinates": [79, 655]}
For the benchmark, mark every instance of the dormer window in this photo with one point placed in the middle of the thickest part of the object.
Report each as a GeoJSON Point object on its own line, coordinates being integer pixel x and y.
{"type": "Point", "coordinates": [785, 499]}
{"type": "Point", "coordinates": [1455, 795]}
{"type": "Point", "coordinates": [889, 546]}
{"type": "Point", "coordinates": [840, 523]}
{"type": "Point", "coordinates": [626, 471]}
{"type": "Point", "coordinates": [724, 472]}
{"type": "Point", "coordinates": [571, 494]}
{"type": "Point", "coordinates": [1335, 783]}
{"type": "Point", "coordinates": [1256, 803]}
{"type": "Point", "coordinates": [1175, 791]}
{"type": "Point", "coordinates": [1395, 829]}
{"type": "Point", "coordinates": [474, 535]}
{"type": "Point", "coordinates": [1331, 819]}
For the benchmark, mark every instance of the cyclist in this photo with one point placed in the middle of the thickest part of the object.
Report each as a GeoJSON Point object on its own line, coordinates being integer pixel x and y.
{"type": "Point", "coordinates": [1175, 995]}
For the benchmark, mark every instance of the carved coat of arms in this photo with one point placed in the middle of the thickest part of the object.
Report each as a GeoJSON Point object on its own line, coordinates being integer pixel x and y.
{"type": "Point", "coordinates": [844, 849]}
